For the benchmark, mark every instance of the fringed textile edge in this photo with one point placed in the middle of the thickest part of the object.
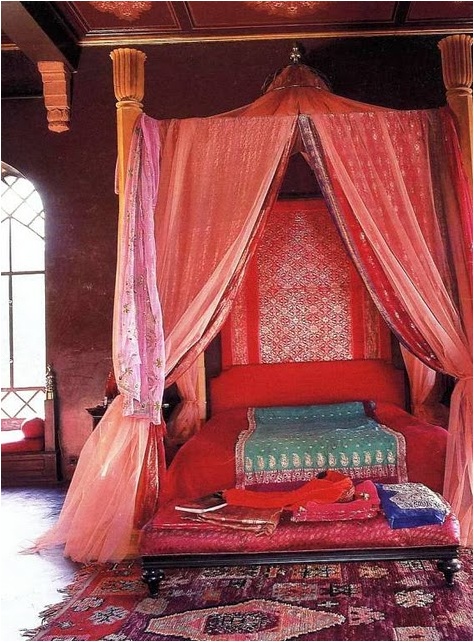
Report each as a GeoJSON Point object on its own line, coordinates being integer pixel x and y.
{"type": "Point", "coordinates": [240, 472]}
{"type": "Point", "coordinates": [82, 579]}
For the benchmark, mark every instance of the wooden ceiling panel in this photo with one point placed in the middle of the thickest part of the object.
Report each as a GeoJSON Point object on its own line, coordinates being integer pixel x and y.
{"type": "Point", "coordinates": [439, 11]}
{"type": "Point", "coordinates": [213, 15]}
{"type": "Point", "coordinates": [73, 25]}
{"type": "Point", "coordinates": [108, 16]}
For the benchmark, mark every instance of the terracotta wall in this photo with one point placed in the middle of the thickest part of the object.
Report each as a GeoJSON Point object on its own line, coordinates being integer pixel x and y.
{"type": "Point", "coordinates": [74, 171]}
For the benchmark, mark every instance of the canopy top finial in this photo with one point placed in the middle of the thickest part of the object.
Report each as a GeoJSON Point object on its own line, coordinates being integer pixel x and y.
{"type": "Point", "coordinates": [296, 54]}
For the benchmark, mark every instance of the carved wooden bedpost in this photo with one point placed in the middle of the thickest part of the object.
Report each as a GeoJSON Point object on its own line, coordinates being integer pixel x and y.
{"type": "Point", "coordinates": [129, 88]}
{"type": "Point", "coordinates": [457, 75]}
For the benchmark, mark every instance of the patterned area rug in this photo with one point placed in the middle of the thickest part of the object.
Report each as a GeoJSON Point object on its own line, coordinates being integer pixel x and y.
{"type": "Point", "coordinates": [352, 601]}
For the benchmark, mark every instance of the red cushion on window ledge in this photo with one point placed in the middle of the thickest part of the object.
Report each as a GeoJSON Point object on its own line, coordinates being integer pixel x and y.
{"type": "Point", "coordinates": [33, 428]}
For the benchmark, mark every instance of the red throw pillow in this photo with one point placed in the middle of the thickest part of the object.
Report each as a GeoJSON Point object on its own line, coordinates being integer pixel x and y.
{"type": "Point", "coordinates": [33, 428]}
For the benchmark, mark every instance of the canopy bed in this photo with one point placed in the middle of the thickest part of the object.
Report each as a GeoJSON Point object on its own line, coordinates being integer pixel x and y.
{"type": "Point", "coordinates": [397, 194]}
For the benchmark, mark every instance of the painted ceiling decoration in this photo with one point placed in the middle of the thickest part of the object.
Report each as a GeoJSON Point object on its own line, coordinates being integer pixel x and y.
{"type": "Point", "coordinates": [284, 8]}
{"type": "Point", "coordinates": [56, 33]}
{"type": "Point", "coordinates": [129, 11]}
{"type": "Point", "coordinates": [74, 25]}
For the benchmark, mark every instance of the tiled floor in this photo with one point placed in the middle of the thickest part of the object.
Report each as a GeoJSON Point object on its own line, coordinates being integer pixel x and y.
{"type": "Point", "coordinates": [29, 583]}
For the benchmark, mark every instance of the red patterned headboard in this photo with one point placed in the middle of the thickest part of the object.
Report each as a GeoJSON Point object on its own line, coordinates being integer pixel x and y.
{"type": "Point", "coordinates": [302, 299]}
{"type": "Point", "coordinates": [289, 384]}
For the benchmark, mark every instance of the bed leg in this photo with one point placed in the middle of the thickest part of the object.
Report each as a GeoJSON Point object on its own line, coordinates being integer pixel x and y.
{"type": "Point", "coordinates": [152, 578]}
{"type": "Point", "coordinates": [449, 568]}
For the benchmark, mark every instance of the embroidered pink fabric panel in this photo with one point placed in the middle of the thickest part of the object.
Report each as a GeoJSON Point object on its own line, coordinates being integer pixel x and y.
{"type": "Point", "coordinates": [302, 299]}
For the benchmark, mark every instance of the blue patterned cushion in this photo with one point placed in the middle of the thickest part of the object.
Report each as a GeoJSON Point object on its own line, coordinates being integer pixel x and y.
{"type": "Point", "coordinates": [411, 504]}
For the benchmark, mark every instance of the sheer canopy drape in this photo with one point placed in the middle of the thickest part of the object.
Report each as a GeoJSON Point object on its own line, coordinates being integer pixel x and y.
{"type": "Point", "coordinates": [216, 176]}
{"type": "Point", "coordinates": [97, 521]}
{"type": "Point", "coordinates": [389, 176]}
{"type": "Point", "coordinates": [218, 179]}
{"type": "Point", "coordinates": [110, 494]}
{"type": "Point", "coordinates": [422, 382]}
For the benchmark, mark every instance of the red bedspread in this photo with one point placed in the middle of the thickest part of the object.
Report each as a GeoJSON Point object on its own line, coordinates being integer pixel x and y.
{"type": "Point", "coordinates": [206, 463]}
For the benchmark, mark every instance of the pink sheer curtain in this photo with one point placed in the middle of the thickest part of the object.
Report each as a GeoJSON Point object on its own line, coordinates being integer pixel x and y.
{"type": "Point", "coordinates": [425, 391]}
{"type": "Point", "coordinates": [394, 170]}
{"type": "Point", "coordinates": [215, 177]}
{"type": "Point", "coordinates": [185, 419]}
{"type": "Point", "coordinates": [97, 521]}
{"type": "Point", "coordinates": [100, 515]}
{"type": "Point", "coordinates": [138, 340]}
{"type": "Point", "coordinates": [219, 177]}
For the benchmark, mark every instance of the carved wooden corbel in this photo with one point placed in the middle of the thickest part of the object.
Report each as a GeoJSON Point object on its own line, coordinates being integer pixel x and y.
{"type": "Point", "coordinates": [56, 90]}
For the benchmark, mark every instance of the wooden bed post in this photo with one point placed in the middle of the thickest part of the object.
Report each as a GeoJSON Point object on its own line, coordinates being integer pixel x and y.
{"type": "Point", "coordinates": [201, 388]}
{"type": "Point", "coordinates": [129, 88]}
{"type": "Point", "coordinates": [457, 76]}
{"type": "Point", "coordinates": [50, 444]}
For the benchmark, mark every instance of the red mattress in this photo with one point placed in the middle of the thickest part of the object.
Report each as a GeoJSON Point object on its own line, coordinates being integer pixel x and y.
{"type": "Point", "coordinates": [169, 534]}
{"type": "Point", "coordinates": [206, 463]}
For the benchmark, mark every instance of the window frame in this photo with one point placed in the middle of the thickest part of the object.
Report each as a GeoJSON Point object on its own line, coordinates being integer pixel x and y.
{"type": "Point", "coordinates": [27, 395]}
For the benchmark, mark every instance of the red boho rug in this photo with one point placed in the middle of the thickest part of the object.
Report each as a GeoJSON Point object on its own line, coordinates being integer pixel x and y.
{"type": "Point", "coordinates": [351, 601]}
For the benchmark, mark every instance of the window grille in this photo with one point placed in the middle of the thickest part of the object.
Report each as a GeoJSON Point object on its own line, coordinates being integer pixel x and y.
{"type": "Point", "coordinates": [23, 358]}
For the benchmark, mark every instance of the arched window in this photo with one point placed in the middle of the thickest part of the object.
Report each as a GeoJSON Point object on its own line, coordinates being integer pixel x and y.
{"type": "Point", "coordinates": [23, 353]}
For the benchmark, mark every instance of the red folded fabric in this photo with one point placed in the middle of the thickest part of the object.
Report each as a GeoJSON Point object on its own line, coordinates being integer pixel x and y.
{"type": "Point", "coordinates": [365, 505]}
{"type": "Point", "coordinates": [332, 488]}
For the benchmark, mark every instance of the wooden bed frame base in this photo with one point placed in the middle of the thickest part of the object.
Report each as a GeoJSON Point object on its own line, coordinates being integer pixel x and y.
{"type": "Point", "coordinates": [154, 565]}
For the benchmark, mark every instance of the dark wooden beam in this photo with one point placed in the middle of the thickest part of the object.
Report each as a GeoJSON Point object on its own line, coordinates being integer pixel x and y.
{"type": "Point", "coordinates": [31, 39]}
{"type": "Point", "coordinates": [182, 13]}
{"type": "Point", "coordinates": [54, 67]}
{"type": "Point", "coordinates": [401, 13]}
